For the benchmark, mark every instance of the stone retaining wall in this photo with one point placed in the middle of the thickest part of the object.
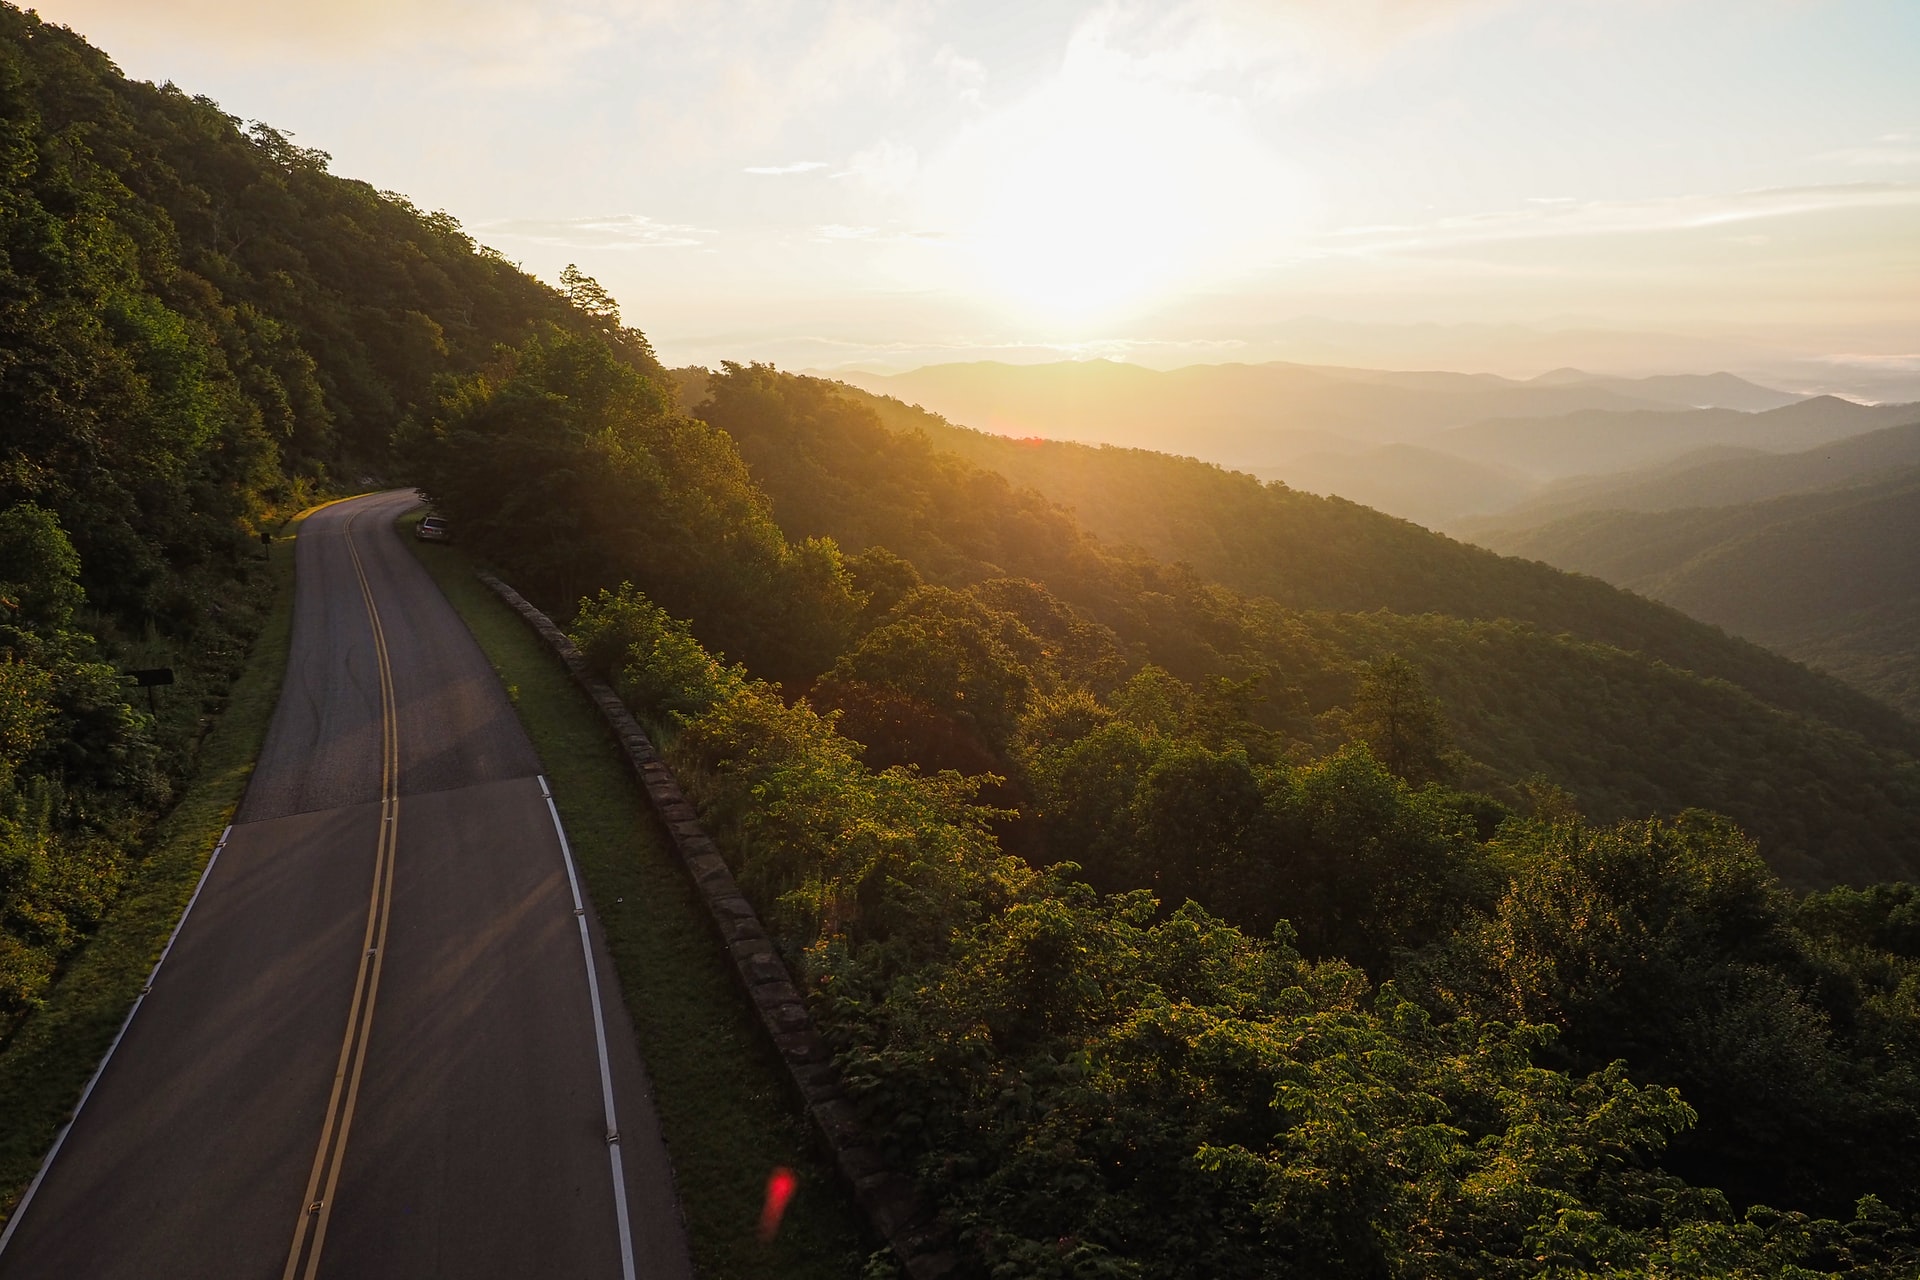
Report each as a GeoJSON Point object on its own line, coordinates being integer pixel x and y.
{"type": "Point", "coordinates": [889, 1198]}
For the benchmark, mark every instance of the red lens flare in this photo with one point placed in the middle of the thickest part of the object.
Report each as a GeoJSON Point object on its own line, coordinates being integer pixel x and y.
{"type": "Point", "coordinates": [780, 1188]}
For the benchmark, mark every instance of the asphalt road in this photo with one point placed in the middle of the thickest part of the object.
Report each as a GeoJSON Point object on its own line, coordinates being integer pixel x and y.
{"type": "Point", "coordinates": [373, 1050]}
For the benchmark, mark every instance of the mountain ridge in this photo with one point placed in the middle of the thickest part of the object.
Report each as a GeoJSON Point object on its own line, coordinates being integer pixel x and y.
{"type": "Point", "coordinates": [1188, 511]}
{"type": "Point", "coordinates": [1830, 577]}
{"type": "Point", "coordinates": [1717, 476]}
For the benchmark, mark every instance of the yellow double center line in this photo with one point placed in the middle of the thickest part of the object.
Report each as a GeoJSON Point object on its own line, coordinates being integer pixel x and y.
{"type": "Point", "coordinates": [310, 1230]}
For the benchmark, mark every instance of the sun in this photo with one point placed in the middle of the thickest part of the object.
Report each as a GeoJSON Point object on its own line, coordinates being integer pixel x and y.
{"type": "Point", "coordinates": [1076, 224]}
{"type": "Point", "coordinates": [1104, 192]}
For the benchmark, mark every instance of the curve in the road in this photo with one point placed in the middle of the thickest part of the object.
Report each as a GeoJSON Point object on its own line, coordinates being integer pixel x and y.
{"type": "Point", "coordinates": [460, 1123]}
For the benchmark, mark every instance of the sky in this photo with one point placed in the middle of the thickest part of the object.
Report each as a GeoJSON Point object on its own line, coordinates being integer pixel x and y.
{"type": "Point", "coordinates": [1632, 186]}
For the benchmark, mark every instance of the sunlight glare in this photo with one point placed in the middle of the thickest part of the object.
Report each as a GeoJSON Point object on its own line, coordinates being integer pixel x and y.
{"type": "Point", "coordinates": [1106, 189]}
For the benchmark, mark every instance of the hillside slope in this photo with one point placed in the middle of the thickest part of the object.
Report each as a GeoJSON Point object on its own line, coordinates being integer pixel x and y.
{"type": "Point", "coordinates": [1832, 578]}
{"type": "Point", "coordinates": [1307, 552]}
{"type": "Point", "coordinates": [1410, 481]}
{"type": "Point", "coordinates": [1622, 727]}
{"type": "Point", "coordinates": [1272, 997]}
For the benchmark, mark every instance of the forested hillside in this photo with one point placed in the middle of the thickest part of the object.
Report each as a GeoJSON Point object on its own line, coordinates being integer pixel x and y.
{"type": "Point", "coordinates": [1399, 1026]}
{"type": "Point", "coordinates": [200, 330]}
{"type": "Point", "coordinates": [1410, 481]}
{"type": "Point", "coordinates": [1340, 902]}
{"type": "Point", "coordinates": [1830, 578]}
{"type": "Point", "coordinates": [1308, 552]}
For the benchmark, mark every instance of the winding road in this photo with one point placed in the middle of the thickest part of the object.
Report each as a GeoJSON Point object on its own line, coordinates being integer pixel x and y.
{"type": "Point", "coordinates": [387, 1041]}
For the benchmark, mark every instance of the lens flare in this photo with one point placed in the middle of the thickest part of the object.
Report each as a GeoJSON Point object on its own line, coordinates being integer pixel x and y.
{"type": "Point", "coordinates": [781, 1184]}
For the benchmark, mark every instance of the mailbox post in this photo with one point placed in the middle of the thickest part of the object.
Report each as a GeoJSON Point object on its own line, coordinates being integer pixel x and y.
{"type": "Point", "coordinates": [151, 679]}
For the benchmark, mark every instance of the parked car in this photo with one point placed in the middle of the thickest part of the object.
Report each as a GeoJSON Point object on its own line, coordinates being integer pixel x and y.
{"type": "Point", "coordinates": [433, 529]}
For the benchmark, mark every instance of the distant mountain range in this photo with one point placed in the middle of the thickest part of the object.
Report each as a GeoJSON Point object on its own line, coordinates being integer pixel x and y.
{"type": "Point", "coordinates": [1591, 442]}
{"type": "Point", "coordinates": [1454, 477]}
{"type": "Point", "coordinates": [1719, 475]}
{"type": "Point", "coordinates": [1687, 390]}
{"type": "Point", "coordinates": [1256, 417]}
{"type": "Point", "coordinates": [1439, 448]}
{"type": "Point", "coordinates": [1785, 520]}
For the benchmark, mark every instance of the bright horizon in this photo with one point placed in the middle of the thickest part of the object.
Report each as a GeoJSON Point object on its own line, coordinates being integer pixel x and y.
{"type": "Point", "coordinates": [1476, 184]}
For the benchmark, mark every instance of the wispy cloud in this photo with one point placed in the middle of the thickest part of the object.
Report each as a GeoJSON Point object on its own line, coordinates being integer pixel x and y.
{"type": "Point", "coordinates": [1271, 46]}
{"type": "Point", "coordinates": [1558, 219]}
{"type": "Point", "coordinates": [618, 232]}
{"type": "Point", "coordinates": [780, 170]}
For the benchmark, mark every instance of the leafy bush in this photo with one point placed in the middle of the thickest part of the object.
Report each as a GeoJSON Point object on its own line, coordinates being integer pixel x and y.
{"type": "Point", "coordinates": [1093, 1085]}
{"type": "Point", "coordinates": [655, 659]}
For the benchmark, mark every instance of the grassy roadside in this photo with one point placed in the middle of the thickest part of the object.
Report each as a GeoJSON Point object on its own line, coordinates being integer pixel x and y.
{"type": "Point", "coordinates": [47, 1061]}
{"type": "Point", "coordinates": [722, 1101]}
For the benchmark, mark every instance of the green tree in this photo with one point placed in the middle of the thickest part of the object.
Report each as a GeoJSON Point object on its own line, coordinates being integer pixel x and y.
{"type": "Point", "coordinates": [586, 293]}
{"type": "Point", "coordinates": [1400, 721]}
{"type": "Point", "coordinates": [567, 467]}
{"type": "Point", "coordinates": [39, 569]}
{"type": "Point", "coordinates": [940, 657]}
{"type": "Point", "coordinates": [1670, 945]}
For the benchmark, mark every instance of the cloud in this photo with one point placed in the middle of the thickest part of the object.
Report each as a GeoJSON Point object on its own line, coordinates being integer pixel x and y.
{"type": "Point", "coordinates": [1558, 219]}
{"type": "Point", "coordinates": [780, 170]}
{"type": "Point", "coordinates": [1270, 47]}
{"type": "Point", "coordinates": [621, 231]}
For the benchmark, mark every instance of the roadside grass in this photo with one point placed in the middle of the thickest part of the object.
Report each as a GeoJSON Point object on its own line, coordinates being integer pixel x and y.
{"type": "Point", "coordinates": [723, 1102]}
{"type": "Point", "coordinates": [50, 1055]}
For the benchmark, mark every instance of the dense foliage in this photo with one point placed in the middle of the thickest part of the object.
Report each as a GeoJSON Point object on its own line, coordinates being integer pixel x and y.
{"type": "Point", "coordinates": [1162, 930]}
{"type": "Point", "coordinates": [200, 329]}
{"type": "Point", "coordinates": [1153, 925]}
{"type": "Point", "coordinates": [1096, 1085]}
{"type": "Point", "coordinates": [1626, 704]}
{"type": "Point", "coordinates": [566, 466]}
{"type": "Point", "coordinates": [1310, 552]}
{"type": "Point", "coordinates": [73, 758]}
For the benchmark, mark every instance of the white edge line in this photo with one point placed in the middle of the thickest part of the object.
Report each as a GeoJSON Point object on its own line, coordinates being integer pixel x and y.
{"type": "Point", "coordinates": [600, 1043]}
{"type": "Point", "coordinates": [20, 1209]}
